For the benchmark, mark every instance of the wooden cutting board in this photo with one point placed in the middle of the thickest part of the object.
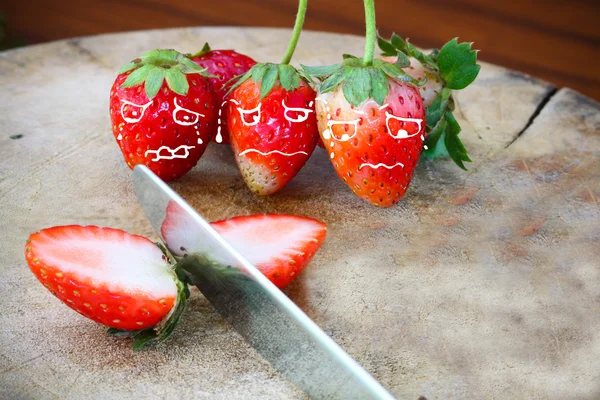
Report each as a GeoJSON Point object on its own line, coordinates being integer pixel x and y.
{"type": "Point", "coordinates": [479, 284]}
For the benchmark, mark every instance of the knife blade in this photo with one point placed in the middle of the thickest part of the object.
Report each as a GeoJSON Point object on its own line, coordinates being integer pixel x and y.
{"type": "Point", "coordinates": [267, 319]}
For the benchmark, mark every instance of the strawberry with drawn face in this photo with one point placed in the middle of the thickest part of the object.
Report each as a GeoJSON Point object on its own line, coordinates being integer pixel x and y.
{"type": "Point", "coordinates": [163, 112]}
{"type": "Point", "coordinates": [272, 123]}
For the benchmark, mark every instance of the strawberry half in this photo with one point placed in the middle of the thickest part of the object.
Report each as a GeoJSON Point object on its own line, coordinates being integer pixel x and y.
{"type": "Point", "coordinates": [280, 246]}
{"type": "Point", "coordinates": [117, 279]}
{"type": "Point", "coordinates": [163, 112]}
{"type": "Point", "coordinates": [224, 65]}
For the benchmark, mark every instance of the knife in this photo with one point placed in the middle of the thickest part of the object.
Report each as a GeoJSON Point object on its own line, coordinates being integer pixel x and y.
{"type": "Point", "coordinates": [267, 319]}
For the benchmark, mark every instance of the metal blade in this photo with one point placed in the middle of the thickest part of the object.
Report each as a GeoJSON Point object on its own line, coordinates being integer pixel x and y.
{"type": "Point", "coordinates": [281, 332]}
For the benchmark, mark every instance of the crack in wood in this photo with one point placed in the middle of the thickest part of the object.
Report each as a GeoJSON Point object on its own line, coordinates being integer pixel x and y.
{"type": "Point", "coordinates": [542, 104]}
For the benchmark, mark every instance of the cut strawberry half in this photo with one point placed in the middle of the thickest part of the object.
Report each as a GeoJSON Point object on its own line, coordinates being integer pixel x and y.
{"type": "Point", "coordinates": [119, 280]}
{"type": "Point", "coordinates": [280, 246]}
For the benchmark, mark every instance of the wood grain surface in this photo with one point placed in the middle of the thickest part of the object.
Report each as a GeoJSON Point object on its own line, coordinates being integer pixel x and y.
{"type": "Point", "coordinates": [481, 284]}
{"type": "Point", "coordinates": [558, 41]}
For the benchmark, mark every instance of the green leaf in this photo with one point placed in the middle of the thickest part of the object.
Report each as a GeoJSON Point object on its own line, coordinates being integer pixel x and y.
{"type": "Point", "coordinates": [237, 81]}
{"type": "Point", "coordinates": [388, 49]}
{"type": "Point", "coordinates": [398, 42]}
{"type": "Point", "coordinates": [438, 108]}
{"type": "Point", "coordinates": [357, 85]}
{"type": "Point", "coordinates": [138, 76]}
{"type": "Point", "coordinates": [333, 81]}
{"type": "Point", "coordinates": [347, 56]}
{"type": "Point", "coordinates": [288, 77]}
{"type": "Point", "coordinates": [177, 81]}
{"type": "Point", "coordinates": [130, 65]}
{"type": "Point", "coordinates": [188, 66]}
{"type": "Point", "coordinates": [455, 147]}
{"type": "Point", "coordinates": [379, 85]}
{"type": "Point", "coordinates": [396, 73]}
{"type": "Point", "coordinates": [268, 80]}
{"type": "Point", "coordinates": [258, 71]}
{"type": "Point", "coordinates": [403, 61]}
{"type": "Point", "coordinates": [154, 81]}
{"type": "Point", "coordinates": [458, 64]}
{"type": "Point", "coordinates": [320, 71]}
{"type": "Point", "coordinates": [432, 140]}
{"type": "Point", "coordinates": [161, 57]}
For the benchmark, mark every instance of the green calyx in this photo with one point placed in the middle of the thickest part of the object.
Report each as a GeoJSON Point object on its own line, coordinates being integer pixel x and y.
{"type": "Point", "coordinates": [205, 49]}
{"type": "Point", "coordinates": [456, 65]}
{"type": "Point", "coordinates": [156, 66]}
{"type": "Point", "coordinates": [360, 82]}
{"type": "Point", "coordinates": [162, 331]}
{"type": "Point", "coordinates": [268, 74]}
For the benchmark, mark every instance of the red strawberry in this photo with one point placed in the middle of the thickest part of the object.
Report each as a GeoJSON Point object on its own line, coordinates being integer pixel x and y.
{"type": "Point", "coordinates": [280, 246]}
{"type": "Point", "coordinates": [163, 112]}
{"type": "Point", "coordinates": [374, 148]}
{"type": "Point", "coordinates": [272, 126]}
{"type": "Point", "coordinates": [224, 65]}
{"type": "Point", "coordinates": [119, 280]}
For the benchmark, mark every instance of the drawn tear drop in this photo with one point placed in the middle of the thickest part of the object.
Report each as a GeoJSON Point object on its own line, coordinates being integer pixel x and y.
{"type": "Point", "coordinates": [119, 137]}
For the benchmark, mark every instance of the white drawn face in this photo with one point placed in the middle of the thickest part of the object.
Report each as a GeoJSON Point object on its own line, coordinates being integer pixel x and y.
{"type": "Point", "coordinates": [167, 153]}
{"type": "Point", "coordinates": [347, 135]}
{"type": "Point", "coordinates": [133, 113]}
{"type": "Point", "coordinates": [296, 114]}
{"type": "Point", "coordinates": [401, 132]}
{"type": "Point", "coordinates": [249, 117]}
{"type": "Point", "coordinates": [183, 116]}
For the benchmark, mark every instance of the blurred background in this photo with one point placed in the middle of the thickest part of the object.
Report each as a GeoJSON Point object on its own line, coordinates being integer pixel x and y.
{"type": "Point", "coordinates": [558, 41]}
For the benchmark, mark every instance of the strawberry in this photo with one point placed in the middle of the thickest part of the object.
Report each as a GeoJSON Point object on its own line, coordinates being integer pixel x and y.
{"type": "Point", "coordinates": [432, 87]}
{"type": "Point", "coordinates": [454, 67]}
{"type": "Point", "coordinates": [119, 280]}
{"type": "Point", "coordinates": [224, 65]}
{"type": "Point", "coordinates": [374, 147]}
{"type": "Point", "coordinates": [280, 246]}
{"type": "Point", "coordinates": [272, 123]}
{"type": "Point", "coordinates": [163, 112]}
{"type": "Point", "coordinates": [272, 135]}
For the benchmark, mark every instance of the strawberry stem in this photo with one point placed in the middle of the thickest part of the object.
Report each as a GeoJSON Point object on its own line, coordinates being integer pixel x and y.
{"type": "Point", "coordinates": [371, 34]}
{"type": "Point", "coordinates": [302, 5]}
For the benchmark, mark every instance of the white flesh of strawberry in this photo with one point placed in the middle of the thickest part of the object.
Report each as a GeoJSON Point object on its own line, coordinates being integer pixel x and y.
{"type": "Point", "coordinates": [117, 261]}
{"type": "Point", "coordinates": [266, 238]}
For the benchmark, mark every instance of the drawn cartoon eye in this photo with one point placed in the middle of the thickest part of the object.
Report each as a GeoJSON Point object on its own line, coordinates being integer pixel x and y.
{"type": "Point", "coordinates": [248, 115]}
{"type": "Point", "coordinates": [342, 131]}
{"type": "Point", "coordinates": [295, 114]}
{"type": "Point", "coordinates": [132, 112]}
{"type": "Point", "coordinates": [183, 116]}
{"type": "Point", "coordinates": [402, 128]}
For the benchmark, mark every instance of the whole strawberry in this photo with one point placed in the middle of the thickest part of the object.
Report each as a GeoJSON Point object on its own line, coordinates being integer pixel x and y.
{"type": "Point", "coordinates": [272, 136]}
{"type": "Point", "coordinates": [163, 112]}
{"type": "Point", "coordinates": [223, 65]}
{"type": "Point", "coordinates": [454, 67]}
{"type": "Point", "coordinates": [272, 123]}
{"type": "Point", "coordinates": [371, 120]}
{"type": "Point", "coordinates": [374, 146]}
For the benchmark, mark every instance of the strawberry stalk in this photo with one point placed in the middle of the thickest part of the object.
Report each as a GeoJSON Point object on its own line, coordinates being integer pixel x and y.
{"type": "Point", "coordinates": [269, 73]}
{"type": "Point", "coordinates": [302, 5]}
{"type": "Point", "coordinates": [371, 33]}
{"type": "Point", "coordinates": [364, 78]}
